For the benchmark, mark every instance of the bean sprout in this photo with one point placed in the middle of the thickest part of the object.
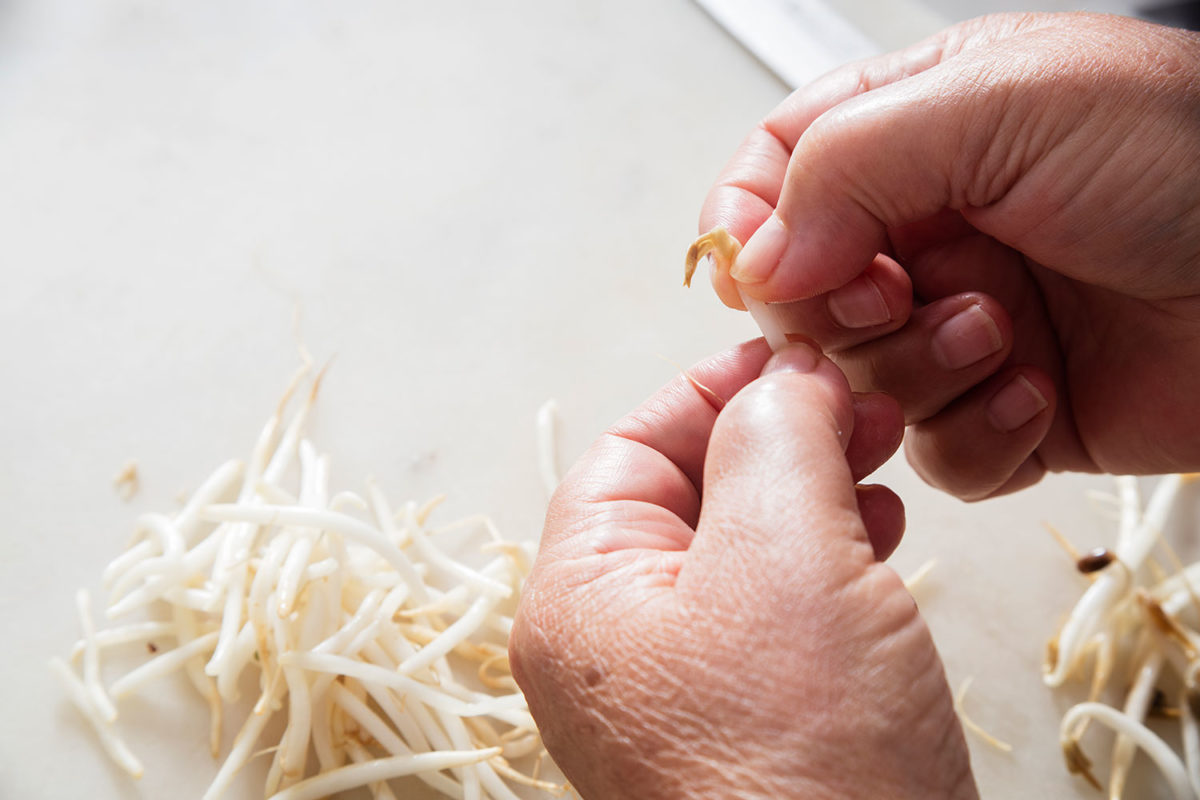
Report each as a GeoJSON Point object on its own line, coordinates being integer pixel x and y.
{"type": "Point", "coordinates": [547, 430]}
{"type": "Point", "coordinates": [720, 245]}
{"type": "Point", "coordinates": [1166, 760]}
{"type": "Point", "coordinates": [375, 649]}
{"type": "Point", "coordinates": [82, 699]}
{"type": "Point", "coordinates": [382, 769]}
{"type": "Point", "coordinates": [973, 726]}
{"type": "Point", "coordinates": [1133, 613]}
{"type": "Point", "coordinates": [918, 576]}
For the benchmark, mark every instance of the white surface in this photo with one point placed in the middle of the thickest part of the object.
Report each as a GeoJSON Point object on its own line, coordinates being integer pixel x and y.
{"type": "Point", "coordinates": [477, 208]}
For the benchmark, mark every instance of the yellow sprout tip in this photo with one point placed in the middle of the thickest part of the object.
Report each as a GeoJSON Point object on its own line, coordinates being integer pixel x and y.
{"type": "Point", "coordinates": [720, 243]}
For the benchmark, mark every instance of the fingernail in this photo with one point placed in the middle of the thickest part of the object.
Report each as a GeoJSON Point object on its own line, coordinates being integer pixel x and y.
{"type": "Point", "coordinates": [761, 254]}
{"type": "Point", "coordinates": [967, 337]}
{"type": "Point", "coordinates": [1014, 405]}
{"type": "Point", "coordinates": [796, 357]}
{"type": "Point", "coordinates": [858, 304]}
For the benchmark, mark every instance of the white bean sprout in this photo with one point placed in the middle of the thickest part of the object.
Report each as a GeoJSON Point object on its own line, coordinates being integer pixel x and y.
{"type": "Point", "coordinates": [380, 651]}
{"type": "Point", "coordinates": [1133, 614]}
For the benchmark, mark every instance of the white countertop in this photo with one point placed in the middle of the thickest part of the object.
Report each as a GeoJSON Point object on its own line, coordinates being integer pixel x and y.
{"type": "Point", "coordinates": [476, 207]}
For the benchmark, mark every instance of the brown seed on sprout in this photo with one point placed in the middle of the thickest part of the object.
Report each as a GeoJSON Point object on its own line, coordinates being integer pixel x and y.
{"type": "Point", "coordinates": [1133, 612]}
{"type": "Point", "coordinates": [1094, 560]}
{"type": "Point", "coordinates": [1110, 591]}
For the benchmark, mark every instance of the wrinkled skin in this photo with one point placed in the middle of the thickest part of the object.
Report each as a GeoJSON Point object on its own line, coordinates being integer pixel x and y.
{"type": "Point", "coordinates": [707, 616]}
{"type": "Point", "coordinates": [1041, 167]}
{"type": "Point", "coordinates": [1000, 228]}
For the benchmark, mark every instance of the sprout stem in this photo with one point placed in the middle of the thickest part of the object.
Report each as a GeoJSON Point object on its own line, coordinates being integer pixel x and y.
{"type": "Point", "coordinates": [352, 776]}
{"type": "Point", "coordinates": [369, 633]}
{"type": "Point", "coordinates": [1167, 762]}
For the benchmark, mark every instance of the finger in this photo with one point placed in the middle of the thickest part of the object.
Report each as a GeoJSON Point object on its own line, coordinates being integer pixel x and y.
{"type": "Point", "coordinates": [878, 431]}
{"type": "Point", "coordinates": [780, 502]}
{"type": "Point", "coordinates": [644, 474]}
{"type": "Point", "coordinates": [876, 302]}
{"type": "Point", "coordinates": [677, 420]}
{"type": "Point", "coordinates": [882, 512]}
{"type": "Point", "coordinates": [747, 190]}
{"type": "Point", "coordinates": [949, 137]}
{"type": "Point", "coordinates": [946, 348]}
{"type": "Point", "coordinates": [970, 261]}
{"type": "Point", "coordinates": [984, 443]}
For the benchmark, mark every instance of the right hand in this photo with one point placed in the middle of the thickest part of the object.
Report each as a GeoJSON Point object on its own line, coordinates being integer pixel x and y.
{"type": "Point", "coordinates": [708, 616]}
{"type": "Point", "coordinates": [1042, 169]}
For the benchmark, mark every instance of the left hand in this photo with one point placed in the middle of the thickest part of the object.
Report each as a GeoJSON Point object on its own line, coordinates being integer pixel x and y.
{"type": "Point", "coordinates": [1029, 182]}
{"type": "Point", "coordinates": [708, 615]}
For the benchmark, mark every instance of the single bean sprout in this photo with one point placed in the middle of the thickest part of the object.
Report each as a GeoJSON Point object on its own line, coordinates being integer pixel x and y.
{"type": "Point", "coordinates": [376, 651]}
{"type": "Point", "coordinates": [919, 575]}
{"type": "Point", "coordinates": [973, 726]}
{"type": "Point", "coordinates": [720, 245]}
{"type": "Point", "coordinates": [547, 430]}
{"type": "Point", "coordinates": [81, 698]}
{"type": "Point", "coordinates": [1135, 614]}
{"type": "Point", "coordinates": [1162, 755]}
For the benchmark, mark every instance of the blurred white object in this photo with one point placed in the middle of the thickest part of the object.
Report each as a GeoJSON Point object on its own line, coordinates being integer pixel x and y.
{"type": "Point", "coordinates": [798, 40]}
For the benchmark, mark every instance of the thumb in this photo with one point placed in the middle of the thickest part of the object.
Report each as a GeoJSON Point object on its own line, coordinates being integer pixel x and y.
{"type": "Point", "coordinates": [779, 507]}
{"type": "Point", "coordinates": [953, 136]}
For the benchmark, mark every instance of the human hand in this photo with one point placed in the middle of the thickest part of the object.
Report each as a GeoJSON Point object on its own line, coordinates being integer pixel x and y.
{"type": "Point", "coordinates": [708, 617]}
{"type": "Point", "coordinates": [1029, 182]}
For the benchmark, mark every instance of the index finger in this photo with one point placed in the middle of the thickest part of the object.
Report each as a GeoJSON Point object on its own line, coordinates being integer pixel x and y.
{"type": "Point", "coordinates": [648, 467]}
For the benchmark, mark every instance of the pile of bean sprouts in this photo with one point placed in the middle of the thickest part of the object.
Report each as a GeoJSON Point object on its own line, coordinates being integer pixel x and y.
{"type": "Point", "coordinates": [1141, 619]}
{"type": "Point", "coordinates": [382, 655]}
